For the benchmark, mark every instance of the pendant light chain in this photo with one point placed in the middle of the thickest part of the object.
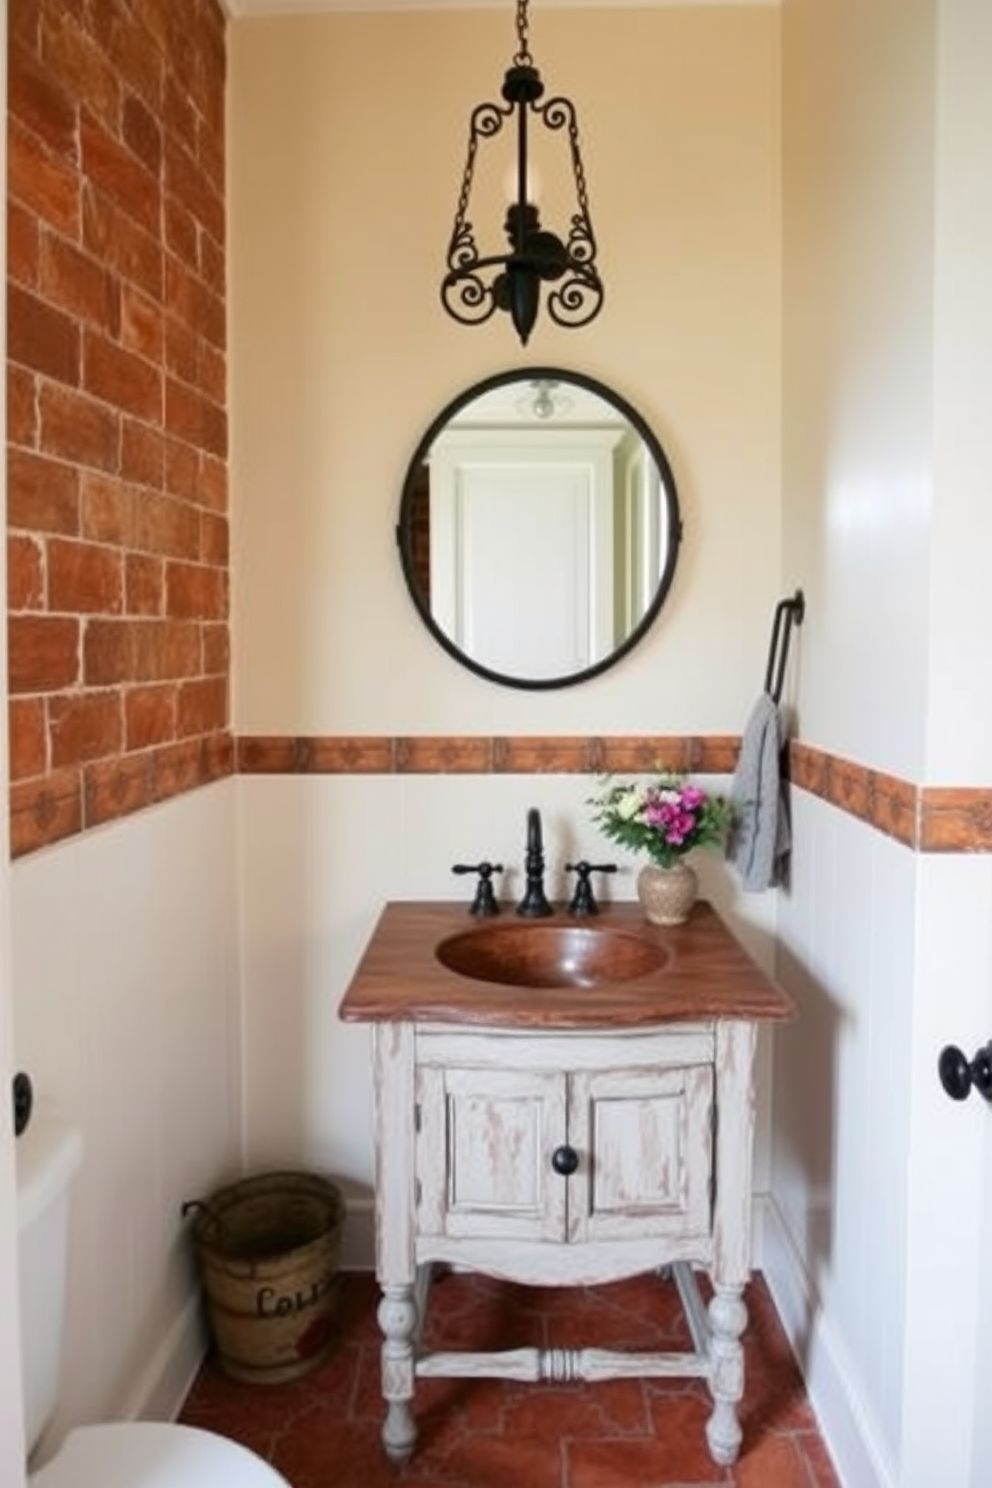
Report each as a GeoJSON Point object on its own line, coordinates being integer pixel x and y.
{"type": "Point", "coordinates": [523, 57]}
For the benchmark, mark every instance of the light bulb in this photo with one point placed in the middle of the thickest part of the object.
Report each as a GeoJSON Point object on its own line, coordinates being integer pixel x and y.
{"type": "Point", "coordinates": [532, 184]}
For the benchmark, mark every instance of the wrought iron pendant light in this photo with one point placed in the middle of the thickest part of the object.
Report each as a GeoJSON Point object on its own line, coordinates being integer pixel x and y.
{"type": "Point", "coordinates": [474, 287]}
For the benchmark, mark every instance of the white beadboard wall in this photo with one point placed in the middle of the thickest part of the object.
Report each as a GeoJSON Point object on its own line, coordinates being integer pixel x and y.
{"type": "Point", "coordinates": [125, 974]}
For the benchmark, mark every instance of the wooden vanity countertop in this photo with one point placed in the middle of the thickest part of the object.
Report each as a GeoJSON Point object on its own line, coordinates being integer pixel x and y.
{"type": "Point", "coordinates": [707, 975]}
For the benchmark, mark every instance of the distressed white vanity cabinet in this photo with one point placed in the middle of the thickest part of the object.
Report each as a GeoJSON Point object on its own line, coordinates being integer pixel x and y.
{"type": "Point", "coordinates": [563, 1135]}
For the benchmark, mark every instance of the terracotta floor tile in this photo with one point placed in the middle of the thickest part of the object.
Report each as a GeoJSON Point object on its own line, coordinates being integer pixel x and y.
{"type": "Point", "coordinates": [323, 1430]}
{"type": "Point", "coordinates": [773, 1462]}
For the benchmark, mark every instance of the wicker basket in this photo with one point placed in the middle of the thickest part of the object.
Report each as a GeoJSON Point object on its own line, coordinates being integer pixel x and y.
{"type": "Point", "coordinates": [267, 1252]}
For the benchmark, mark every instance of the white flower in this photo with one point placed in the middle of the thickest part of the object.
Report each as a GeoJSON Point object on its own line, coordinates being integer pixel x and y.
{"type": "Point", "coordinates": [630, 803]}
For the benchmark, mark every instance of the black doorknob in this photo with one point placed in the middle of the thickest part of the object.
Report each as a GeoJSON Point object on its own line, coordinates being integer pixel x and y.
{"type": "Point", "coordinates": [564, 1160]}
{"type": "Point", "coordinates": [958, 1076]}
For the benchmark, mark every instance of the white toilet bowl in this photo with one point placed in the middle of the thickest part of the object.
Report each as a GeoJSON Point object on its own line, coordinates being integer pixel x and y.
{"type": "Point", "coordinates": [139, 1454]}
{"type": "Point", "coordinates": [148, 1454]}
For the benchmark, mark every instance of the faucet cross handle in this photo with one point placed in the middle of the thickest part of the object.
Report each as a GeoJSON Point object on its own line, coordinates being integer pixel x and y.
{"type": "Point", "coordinates": [583, 900]}
{"type": "Point", "coordinates": [484, 902]}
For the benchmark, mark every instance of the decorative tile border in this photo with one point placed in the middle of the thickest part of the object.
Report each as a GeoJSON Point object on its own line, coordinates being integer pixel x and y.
{"type": "Point", "coordinates": [444, 754]}
{"type": "Point", "coordinates": [937, 819]}
{"type": "Point", "coordinates": [67, 802]}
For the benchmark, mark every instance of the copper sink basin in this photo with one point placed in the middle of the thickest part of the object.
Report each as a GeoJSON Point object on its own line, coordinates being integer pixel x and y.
{"type": "Point", "coordinates": [541, 955]}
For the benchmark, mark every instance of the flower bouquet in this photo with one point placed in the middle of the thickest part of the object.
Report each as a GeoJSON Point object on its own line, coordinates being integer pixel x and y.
{"type": "Point", "coordinates": [664, 818]}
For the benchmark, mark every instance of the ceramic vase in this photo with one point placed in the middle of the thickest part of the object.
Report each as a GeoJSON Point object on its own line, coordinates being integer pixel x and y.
{"type": "Point", "coordinates": [667, 894]}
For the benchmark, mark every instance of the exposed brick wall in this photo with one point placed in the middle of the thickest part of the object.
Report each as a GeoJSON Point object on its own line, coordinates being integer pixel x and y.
{"type": "Point", "coordinates": [118, 581]}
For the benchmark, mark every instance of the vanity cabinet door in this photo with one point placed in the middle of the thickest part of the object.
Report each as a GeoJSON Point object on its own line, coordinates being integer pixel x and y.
{"type": "Point", "coordinates": [483, 1141]}
{"type": "Point", "coordinates": [646, 1136]}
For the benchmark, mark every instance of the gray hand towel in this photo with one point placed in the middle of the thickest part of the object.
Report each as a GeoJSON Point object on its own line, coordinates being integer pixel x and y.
{"type": "Point", "coordinates": [759, 841]}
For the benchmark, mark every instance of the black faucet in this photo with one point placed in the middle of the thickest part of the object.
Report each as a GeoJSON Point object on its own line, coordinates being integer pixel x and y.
{"type": "Point", "coordinates": [534, 904]}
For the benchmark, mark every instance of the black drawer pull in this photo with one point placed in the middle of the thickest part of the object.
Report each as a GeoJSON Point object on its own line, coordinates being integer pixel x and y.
{"type": "Point", "coordinates": [565, 1160]}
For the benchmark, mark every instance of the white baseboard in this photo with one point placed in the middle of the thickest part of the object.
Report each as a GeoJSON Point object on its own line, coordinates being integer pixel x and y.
{"type": "Point", "coordinates": [845, 1423]}
{"type": "Point", "coordinates": [160, 1389]}
{"type": "Point", "coordinates": [158, 1393]}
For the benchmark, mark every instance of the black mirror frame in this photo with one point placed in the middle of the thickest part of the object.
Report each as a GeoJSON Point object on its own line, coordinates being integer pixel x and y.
{"type": "Point", "coordinates": [404, 526]}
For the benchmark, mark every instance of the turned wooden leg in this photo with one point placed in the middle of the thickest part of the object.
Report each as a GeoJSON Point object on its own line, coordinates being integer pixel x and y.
{"type": "Point", "coordinates": [728, 1319]}
{"type": "Point", "coordinates": [398, 1321]}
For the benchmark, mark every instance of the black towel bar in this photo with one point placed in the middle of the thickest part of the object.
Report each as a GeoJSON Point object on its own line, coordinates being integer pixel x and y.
{"type": "Point", "coordinates": [788, 612]}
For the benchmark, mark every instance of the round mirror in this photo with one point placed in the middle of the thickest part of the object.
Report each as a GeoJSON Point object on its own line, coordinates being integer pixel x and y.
{"type": "Point", "coordinates": [539, 528]}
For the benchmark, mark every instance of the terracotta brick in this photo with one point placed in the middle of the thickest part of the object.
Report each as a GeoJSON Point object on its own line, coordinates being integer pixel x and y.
{"type": "Point", "coordinates": [149, 716]}
{"type": "Point", "coordinates": [28, 737]}
{"type": "Point", "coordinates": [113, 788]}
{"type": "Point", "coordinates": [122, 379]}
{"type": "Point", "coordinates": [176, 768]}
{"type": "Point", "coordinates": [142, 454]}
{"type": "Point", "coordinates": [126, 44]}
{"type": "Point", "coordinates": [165, 650]}
{"type": "Point", "coordinates": [41, 337]}
{"type": "Point", "coordinates": [108, 652]}
{"type": "Point", "coordinates": [210, 154]}
{"type": "Point", "coordinates": [120, 176]}
{"type": "Point", "coordinates": [214, 540]}
{"type": "Point", "coordinates": [182, 350]}
{"type": "Point", "coordinates": [24, 23]}
{"type": "Point", "coordinates": [141, 324]}
{"type": "Point", "coordinates": [85, 726]}
{"type": "Point", "coordinates": [144, 585]}
{"type": "Point", "coordinates": [141, 132]}
{"type": "Point", "coordinates": [79, 429]}
{"type": "Point", "coordinates": [213, 374]}
{"type": "Point", "coordinates": [166, 526]}
{"type": "Point", "coordinates": [23, 245]}
{"type": "Point", "coordinates": [36, 97]}
{"type": "Point", "coordinates": [110, 234]}
{"type": "Point", "coordinates": [179, 113]}
{"type": "Point", "coordinates": [107, 509]}
{"type": "Point", "coordinates": [22, 407]}
{"type": "Point", "coordinates": [42, 182]}
{"type": "Point", "coordinates": [213, 264]}
{"type": "Point", "coordinates": [194, 303]}
{"type": "Point", "coordinates": [192, 417]}
{"type": "Point", "coordinates": [186, 180]}
{"type": "Point", "coordinates": [25, 577]}
{"type": "Point", "coordinates": [43, 652]}
{"type": "Point", "coordinates": [42, 494]}
{"type": "Point", "coordinates": [182, 469]}
{"type": "Point", "coordinates": [79, 283]}
{"type": "Point", "coordinates": [45, 811]}
{"type": "Point", "coordinates": [202, 706]}
{"type": "Point", "coordinates": [84, 578]}
{"type": "Point", "coordinates": [217, 756]}
{"type": "Point", "coordinates": [213, 483]}
{"type": "Point", "coordinates": [216, 650]}
{"type": "Point", "coordinates": [193, 591]}
{"type": "Point", "coordinates": [181, 232]}
{"type": "Point", "coordinates": [73, 58]}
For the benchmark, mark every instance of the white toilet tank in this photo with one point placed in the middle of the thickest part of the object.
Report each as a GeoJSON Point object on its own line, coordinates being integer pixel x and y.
{"type": "Point", "coordinates": [47, 1157]}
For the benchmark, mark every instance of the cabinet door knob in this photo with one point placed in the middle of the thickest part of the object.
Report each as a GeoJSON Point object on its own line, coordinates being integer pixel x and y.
{"type": "Point", "coordinates": [564, 1160]}
{"type": "Point", "coordinates": [958, 1076]}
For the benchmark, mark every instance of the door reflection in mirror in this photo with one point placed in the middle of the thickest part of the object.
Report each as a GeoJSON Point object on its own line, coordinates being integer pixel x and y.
{"type": "Point", "coordinates": [539, 528]}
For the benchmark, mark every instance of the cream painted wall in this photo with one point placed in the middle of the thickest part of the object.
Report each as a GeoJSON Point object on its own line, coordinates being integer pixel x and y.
{"type": "Point", "coordinates": [125, 1000]}
{"type": "Point", "coordinates": [877, 1200]}
{"type": "Point", "coordinates": [858, 411]}
{"type": "Point", "coordinates": [347, 141]}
